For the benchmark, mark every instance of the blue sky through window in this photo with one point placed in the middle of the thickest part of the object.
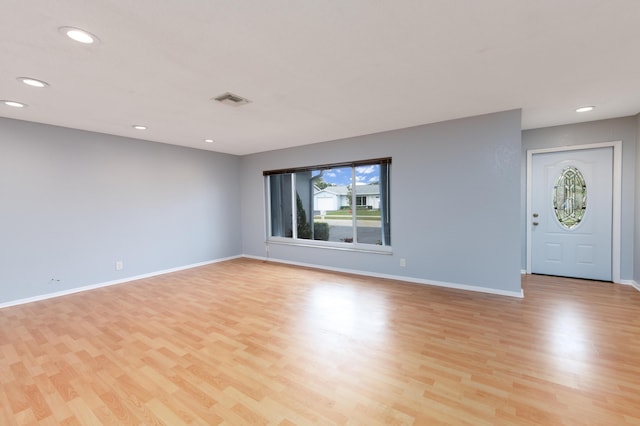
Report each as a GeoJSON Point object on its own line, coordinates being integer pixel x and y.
{"type": "Point", "coordinates": [342, 176]}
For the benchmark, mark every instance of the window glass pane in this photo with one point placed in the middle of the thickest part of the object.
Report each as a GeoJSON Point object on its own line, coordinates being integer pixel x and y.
{"type": "Point", "coordinates": [341, 204]}
{"type": "Point", "coordinates": [332, 205]}
{"type": "Point", "coordinates": [368, 215]}
{"type": "Point", "coordinates": [385, 203]}
{"type": "Point", "coordinates": [304, 205]}
{"type": "Point", "coordinates": [281, 208]}
{"type": "Point", "coordinates": [570, 197]}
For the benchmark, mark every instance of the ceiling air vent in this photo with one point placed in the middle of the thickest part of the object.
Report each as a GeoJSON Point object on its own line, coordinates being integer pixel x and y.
{"type": "Point", "coordinates": [231, 99]}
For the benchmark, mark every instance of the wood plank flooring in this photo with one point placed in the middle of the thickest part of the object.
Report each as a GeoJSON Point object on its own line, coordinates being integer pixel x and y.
{"type": "Point", "coordinates": [245, 342]}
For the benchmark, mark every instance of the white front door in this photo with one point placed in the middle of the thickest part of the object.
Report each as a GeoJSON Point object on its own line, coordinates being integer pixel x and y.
{"type": "Point", "coordinates": [571, 213]}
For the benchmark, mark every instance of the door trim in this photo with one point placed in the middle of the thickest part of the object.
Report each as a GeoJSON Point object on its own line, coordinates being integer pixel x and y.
{"type": "Point", "coordinates": [617, 199]}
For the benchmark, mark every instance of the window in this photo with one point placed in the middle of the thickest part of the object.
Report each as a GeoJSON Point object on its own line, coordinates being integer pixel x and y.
{"type": "Point", "coordinates": [345, 205]}
{"type": "Point", "coordinates": [570, 197]}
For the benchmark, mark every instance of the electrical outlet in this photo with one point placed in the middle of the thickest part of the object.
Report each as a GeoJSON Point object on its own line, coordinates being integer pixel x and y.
{"type": "Point", "coordinates": [119, 265]}
{"type": "Point", "coordinates": [403, 262]}
{"type": "Point", "coordinates": [54, 281]}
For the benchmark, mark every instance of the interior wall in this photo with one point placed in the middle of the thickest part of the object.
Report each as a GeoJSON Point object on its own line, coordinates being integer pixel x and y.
{"type": "Point", "coordinates": [455, 210]}
{"type": "Point", "coordinates": [618, 129]}
{"type": "Point", "coordinates": [636, 269]}
{"type": "Point", "coordinates": [75, 202]}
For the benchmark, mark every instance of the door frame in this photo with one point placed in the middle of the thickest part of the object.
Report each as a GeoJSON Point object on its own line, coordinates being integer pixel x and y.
{"type": "Point", "coordinates": [617, 198]}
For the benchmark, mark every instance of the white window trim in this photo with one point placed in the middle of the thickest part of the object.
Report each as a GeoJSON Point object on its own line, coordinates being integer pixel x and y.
{"type": "Point", "coordinates": [333, 245]}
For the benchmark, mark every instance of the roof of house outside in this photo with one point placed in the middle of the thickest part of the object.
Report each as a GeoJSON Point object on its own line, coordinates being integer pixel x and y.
{"type": "Point", "coordinates": [344, 190]}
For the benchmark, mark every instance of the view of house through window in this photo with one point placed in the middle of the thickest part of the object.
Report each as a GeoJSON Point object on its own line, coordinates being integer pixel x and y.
{"type": "Point", "coordinates": [336, 203]}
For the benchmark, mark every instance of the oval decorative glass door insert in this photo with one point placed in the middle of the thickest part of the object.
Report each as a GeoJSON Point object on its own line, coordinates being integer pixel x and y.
{"type": "Point", "coordinates": [570, 197]}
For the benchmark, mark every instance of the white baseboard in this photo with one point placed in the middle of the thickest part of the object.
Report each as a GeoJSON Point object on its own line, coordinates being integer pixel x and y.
{"type": "Point", "coordinates": [110, 283]}
{"type": "Point", "coordinates": [523, 272]}
{"type": "Point", "coordinates": [632, 283]}
{"type": "Point", "coordinates": [517, 294]}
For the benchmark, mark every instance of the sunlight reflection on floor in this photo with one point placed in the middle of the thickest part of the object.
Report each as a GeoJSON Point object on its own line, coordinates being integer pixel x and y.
{"type": "Point", "coordinates": [358, 315]}
{"type": "Point", "coordinates": [569, 341]}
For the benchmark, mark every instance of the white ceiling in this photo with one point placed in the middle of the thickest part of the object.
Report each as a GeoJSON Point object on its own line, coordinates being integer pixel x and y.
{"type": "Point", "coordinates": [315, 70]}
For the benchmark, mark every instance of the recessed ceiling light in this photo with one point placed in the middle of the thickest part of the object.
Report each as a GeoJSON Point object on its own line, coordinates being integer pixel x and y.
{"type": "Point", "coordinates": [585, 109]}
{"type": "Point", "coordinates": [14, 104]}
{"type": "Point", "coordinates": [76, 34]}
{"type": "Point", "coordinates": [208, 140]}
{"type": "Point", "coordinates": [33, 82]}
{"type": "Point", "coordinates": [139, 127]}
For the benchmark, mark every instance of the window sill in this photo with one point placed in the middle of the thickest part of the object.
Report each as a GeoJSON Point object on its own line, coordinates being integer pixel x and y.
{"type": "Point", "coordinates": [362, 248]}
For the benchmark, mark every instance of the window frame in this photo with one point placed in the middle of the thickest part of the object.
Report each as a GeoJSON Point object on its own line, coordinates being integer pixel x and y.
{"type": "Point", "coordinates": [335, 245]}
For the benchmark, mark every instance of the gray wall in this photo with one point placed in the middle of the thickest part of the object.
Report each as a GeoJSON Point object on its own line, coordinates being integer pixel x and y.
{"type": "Point", "coordinates": [455, 192]}
{"type": "Point", "coordinates": [617, 129]}
{"type": "Point", "coordinates": [74, 202]}
{"type": "Point", "coordinates": [636, 270]}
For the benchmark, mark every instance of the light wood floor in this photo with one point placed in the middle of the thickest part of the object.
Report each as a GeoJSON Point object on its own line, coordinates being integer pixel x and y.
{"type": "Point", "coordinates": [249, 343]}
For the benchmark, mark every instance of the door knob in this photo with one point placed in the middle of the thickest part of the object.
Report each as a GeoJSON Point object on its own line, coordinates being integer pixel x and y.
{"type": "Point", "coordinates": [535, 224]}
{"type": "Point", "coordinates": [535, 215]}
